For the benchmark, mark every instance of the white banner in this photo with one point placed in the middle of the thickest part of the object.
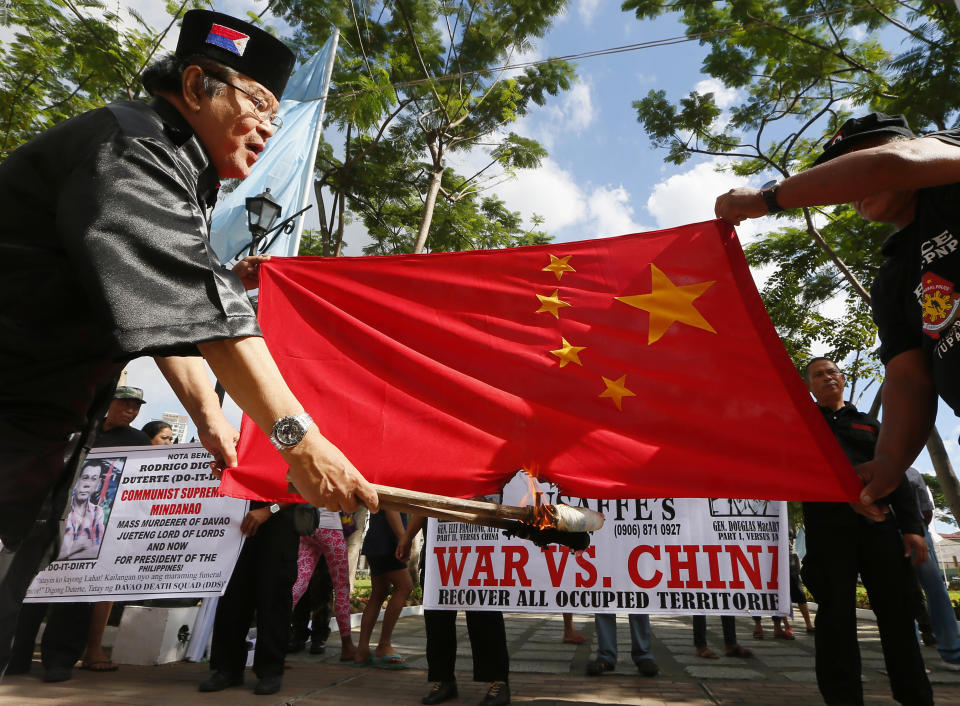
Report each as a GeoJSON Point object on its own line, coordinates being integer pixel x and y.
{"type": "Point", "coordinates": [144, 522]}
{"type": "Point", "coordinates": [664, 555]}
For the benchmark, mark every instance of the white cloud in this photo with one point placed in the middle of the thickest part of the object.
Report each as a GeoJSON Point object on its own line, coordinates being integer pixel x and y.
{"type": "Point", "coordinates": [723, 96]}
{"type": "Point", "coordinates": [610, 212]}
{"type": "Point", "coordinates": [688, 197]}
{"type": "Point", "coordinates": [587, 9]}
{"type": "Point", "coordinates": [573, 112]}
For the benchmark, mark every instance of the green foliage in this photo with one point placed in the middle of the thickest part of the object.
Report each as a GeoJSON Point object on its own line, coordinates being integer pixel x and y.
{"type": "Point", "coordinates": [940, 504]}
{"type": "Point", "coordinates": [413, 83]}
{"type": "Point", "coordinates": [66, 57]}
{"type": "Point", "coordinates": [800, 71]}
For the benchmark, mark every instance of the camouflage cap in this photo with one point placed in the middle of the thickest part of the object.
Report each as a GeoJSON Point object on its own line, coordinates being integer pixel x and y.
{"type": "Point", "coordinates": [125, 392]}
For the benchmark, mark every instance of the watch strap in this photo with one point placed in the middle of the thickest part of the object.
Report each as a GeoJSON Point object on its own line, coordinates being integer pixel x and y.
{"type": "Point", "coordinates": [304, 420]}
{"type": "Point", "coordinates": [770, 198]}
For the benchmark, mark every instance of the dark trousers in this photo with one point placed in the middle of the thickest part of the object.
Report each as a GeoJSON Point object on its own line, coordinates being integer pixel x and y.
{"type": "Point", "coordinates": [488, 643]}
{"type": "Point", "coordinates": [727, 622]}
{"type": "Point", "coordinates": [30, 545]}
{"type": "Point", "coordinates": [64, 639]}
{"type": "Point", "coordinates": [835, 555]}
{"type": "Point", "coordinates": [261, 584]}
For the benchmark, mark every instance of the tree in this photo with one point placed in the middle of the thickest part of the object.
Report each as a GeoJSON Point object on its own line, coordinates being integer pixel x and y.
{"type": "Point", "coordinates": [413, 85]}
{"type": "Point", "coordinates": [941, 507]}
{"type": "Point", "coordinates": [69, 56]}
{"type": "Point", "coordinates": [801, 71]}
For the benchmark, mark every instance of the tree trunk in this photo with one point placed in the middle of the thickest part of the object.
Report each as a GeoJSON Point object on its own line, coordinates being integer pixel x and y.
{"type": "Point", "coordinates": [436, 177]}
{"type": "Point", "coordinates": [944, 471]}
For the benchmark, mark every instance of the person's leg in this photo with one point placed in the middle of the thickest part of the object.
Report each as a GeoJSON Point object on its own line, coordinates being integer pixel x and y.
{"type": "Point", "coordinates": [488, 643]}
{"type": "Point", "coordinates": [277, 562]}
{"type": "Point", "coordinates": [402, 585]}
{"type": "Point", "coordinates": [700, 638]}
{"type": "Point", "coordinates": [730, 645]}
{"type": "Point", "coordinates": [322, 588]}
{"type": "Point", "coordinates": [441, 630]}
{"type": "Point", "coordinates": [231, 622]}
{"type": "Point", "coordinates": [570, 634]}
{"type": "Point", "coordinates": [29, 523]}
{"type": "Point", "coordinates": [335, 552]}
{"type": "Point", "coordinates": [65, 636]}
{"type": "Point", "coordinates": [888, 578]}
{"type": "Point", "coordinates": [640, 638]}
{"type": "Point", "coordinates": [757, 627]}
{"type": "Point", "coordinates": [308, 553]}
{"type": "Point", "coordinates": [805, 612]}
{"type": "Point", "coordinates": [379, 588]}
{"type": "Point", "coordinates": [94, 657]}
{"type": "Point", "coordinates": [24, 644]}
{"type": "Point", "coordinates": [943, 620]}
{"type": "Point", "coordinates": [830, 572]}
{"type": "Point", "coordinates": [605, 625]}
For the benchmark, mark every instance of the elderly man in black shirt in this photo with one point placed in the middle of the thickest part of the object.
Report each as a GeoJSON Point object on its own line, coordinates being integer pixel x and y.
{"type": "Point", "coordinates": [841, 545]}
{"type": "Point", "coordinates": [109, 212]}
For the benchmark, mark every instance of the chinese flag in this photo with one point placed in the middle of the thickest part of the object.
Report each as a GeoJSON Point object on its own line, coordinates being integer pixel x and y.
{"type": "Point", "coordinates": [637, 366]}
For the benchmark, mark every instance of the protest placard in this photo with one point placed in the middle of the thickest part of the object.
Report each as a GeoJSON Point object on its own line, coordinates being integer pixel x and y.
{"type": "Point", "coordinates": [144, 522]}
{"type": "Point", "coordinates": [653, 555]}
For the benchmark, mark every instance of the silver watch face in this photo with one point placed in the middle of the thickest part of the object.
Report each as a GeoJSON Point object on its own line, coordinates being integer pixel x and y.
{"type": "Point", "coordinates": [289, 431]}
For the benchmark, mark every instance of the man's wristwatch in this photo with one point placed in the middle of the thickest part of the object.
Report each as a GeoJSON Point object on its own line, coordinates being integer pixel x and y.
{"type": "Point", "coordinates": [274, 509]}
{"type": "Point", "coordinates": [289, 431]}
{"type": "Point", "coordinates": [769, 193]}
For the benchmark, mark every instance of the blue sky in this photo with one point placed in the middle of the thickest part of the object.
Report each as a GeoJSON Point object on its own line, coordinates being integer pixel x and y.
{"type": "Point", "coordinates": [602, 177]}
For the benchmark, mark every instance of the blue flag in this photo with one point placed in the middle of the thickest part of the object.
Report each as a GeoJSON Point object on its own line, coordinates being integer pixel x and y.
{"type": "Point", "coordinates": [286, 165]}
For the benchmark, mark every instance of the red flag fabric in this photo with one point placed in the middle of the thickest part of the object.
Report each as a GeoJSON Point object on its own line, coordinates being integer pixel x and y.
{"type": "Point", "coordinates": [637, 366]}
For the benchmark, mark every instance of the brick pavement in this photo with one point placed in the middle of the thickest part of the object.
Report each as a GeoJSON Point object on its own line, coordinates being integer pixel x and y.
{"type": "Point", "coordinates": [544, 671]}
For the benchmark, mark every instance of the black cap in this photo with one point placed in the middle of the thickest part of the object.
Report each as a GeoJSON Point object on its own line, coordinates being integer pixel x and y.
{"type": "Point", "coordinates": [858, 129]}
{"type": "Point", "coordinates": [237, 44]}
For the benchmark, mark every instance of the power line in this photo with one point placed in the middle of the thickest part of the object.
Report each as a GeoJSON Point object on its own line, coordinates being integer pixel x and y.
{"type": "Point", "coordinates": [589, 54]}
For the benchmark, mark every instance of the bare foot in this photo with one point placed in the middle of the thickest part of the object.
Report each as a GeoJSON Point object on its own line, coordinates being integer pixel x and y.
{"type": "Point", "coordinates": [574, 637]}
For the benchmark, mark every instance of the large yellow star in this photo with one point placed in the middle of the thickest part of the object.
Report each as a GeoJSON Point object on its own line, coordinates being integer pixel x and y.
{"type": "Point", "coordinates": [617, 390]}
{"type": "Point", "coordinates": [559, 265]}
{"type": "Point", "coordinates": [668, 303]}
{"type": "Point", "coordinates": [551, 304]}
{"type": "Point", "coordinates": [568, 354]}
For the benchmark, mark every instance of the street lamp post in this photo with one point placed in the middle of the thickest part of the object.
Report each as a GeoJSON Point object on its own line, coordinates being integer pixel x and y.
{"type": "Point", "coordinates": [262, 213]}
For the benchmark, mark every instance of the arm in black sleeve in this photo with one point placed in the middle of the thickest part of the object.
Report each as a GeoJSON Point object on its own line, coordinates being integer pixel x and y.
{"type": "Point", "coordinates": [904, 504]}
{"type": "Point", "coordinates": [132, 225]}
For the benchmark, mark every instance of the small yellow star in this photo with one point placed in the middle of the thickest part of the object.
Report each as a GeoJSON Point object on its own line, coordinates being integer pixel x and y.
{"type": "Point", "coordinates": [617, 390]}
{"type": "Point", "coordinates": [559, 265]}
{"type": "Point", "coordinates": [668, 303]}
{"type": "Point", "coordinates": [568, 354]}
{"type": "Point", "coordinates": [551, 303]}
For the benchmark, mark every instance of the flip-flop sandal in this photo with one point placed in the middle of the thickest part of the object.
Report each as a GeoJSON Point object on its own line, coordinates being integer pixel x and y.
{"type": "Point", "coordinates": [738, 651]}
{"type": "Point", "coordinates": [707, 653]}
{"type": "Point", "coordinates": [392, 661]}
{"type": "Point", "coordinates": [577, 639]}
{"type": "Point", "coordinates": [366, 663]}
{"type": "Point", "coordinates": [100, 666]}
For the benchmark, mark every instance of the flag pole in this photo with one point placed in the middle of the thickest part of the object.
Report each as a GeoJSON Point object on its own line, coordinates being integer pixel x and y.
{"type": "Point", "coordinates": [316, 139]}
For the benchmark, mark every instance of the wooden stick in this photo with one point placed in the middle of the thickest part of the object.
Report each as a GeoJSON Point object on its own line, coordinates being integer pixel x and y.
{"type": "Point", "coordinates": [442, 502]}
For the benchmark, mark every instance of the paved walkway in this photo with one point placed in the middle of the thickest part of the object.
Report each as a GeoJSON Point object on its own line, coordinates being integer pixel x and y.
{"type": "Point", "coordinates": [544, 671]}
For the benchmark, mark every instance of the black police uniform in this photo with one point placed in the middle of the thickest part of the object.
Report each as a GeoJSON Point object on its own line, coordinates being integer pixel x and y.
{"type": "Point", "coordinates": [842, 545]}
{"type": "Point", "coordinates": [104, 256]}
{"type": "Point", "coordinates": [915, 297]}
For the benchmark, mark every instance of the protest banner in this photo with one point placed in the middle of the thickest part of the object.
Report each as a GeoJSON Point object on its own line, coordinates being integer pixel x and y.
{"type": "Point", "coordinates": [653, 555]}
{"type": "Point", "coordinates": [144, 522]}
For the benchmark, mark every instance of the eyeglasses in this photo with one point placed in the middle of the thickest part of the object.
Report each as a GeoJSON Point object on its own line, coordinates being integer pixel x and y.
{"type": "Point", "coordinates": [259, 105]}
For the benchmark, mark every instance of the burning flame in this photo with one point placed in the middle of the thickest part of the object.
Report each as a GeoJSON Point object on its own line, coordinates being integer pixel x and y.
{"type": "Point", "coordinates": [542, 517]}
